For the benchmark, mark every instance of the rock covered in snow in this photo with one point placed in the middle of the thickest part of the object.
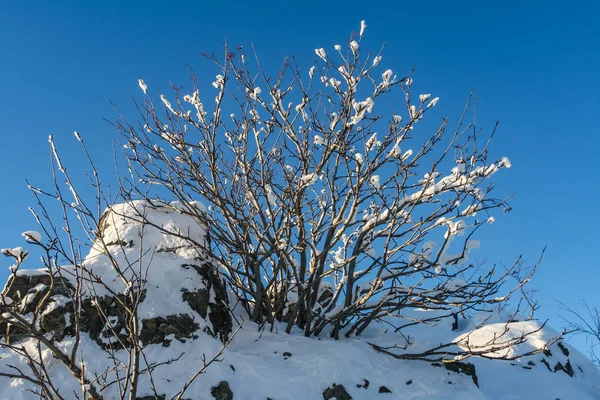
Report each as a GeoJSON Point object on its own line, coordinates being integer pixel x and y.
{"type": "Point", "coordinates": [157, 251]}
{"type": "Point", "coordinates": [184, 312]}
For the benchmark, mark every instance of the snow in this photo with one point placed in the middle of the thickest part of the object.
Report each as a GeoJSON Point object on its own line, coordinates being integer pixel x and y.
{"type": "Point", "coordinates": [143, 86]}
{"type": "Point", "coordinates": [394, 152]}
{"type": "Point", "coordinates": [260, 364]}
{"type": "Point", "coordinates": [265, 364]}
{"type": "Point", "coordinates": [372, 142]}
{"type": "Point", "coordinates": [363, 26]}
{"type": "Point", "coordinates": [361, 108]}
{"type": "Point", "coordinates": [32, 236]}
{"type": "Point", "coordinates": [433, 102]}
{"type": "Point", "coordinates": [318, 140]}
{"type": "Point", "coordinates": [321, 53]}
{"type": "Point", "coordinates": [308, 179]}
{"type": "Point", "coordinates": [386, 77]}
{"type": "Point", "coordinates": [17, 253]}
{"type": "Point", "coordinates": [375, 182]}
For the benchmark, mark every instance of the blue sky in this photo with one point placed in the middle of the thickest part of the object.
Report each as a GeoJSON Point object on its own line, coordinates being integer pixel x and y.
{"type": "Point", "coordinates": [534, 65]}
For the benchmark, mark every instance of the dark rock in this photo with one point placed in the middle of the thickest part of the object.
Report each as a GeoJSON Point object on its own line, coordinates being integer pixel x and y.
{"type": "Point", "coordinates": [199, 301]}
{"type": "Point", "coordinates": [567, 368]}
{"type": "Point", "coordinates": [20, 286]}
{"type": "Point", "coordinates": [155, 330]}
{"type": "Point", "coordinates": [364, 385]}
{"type": "Point", "coordinates": [337, 392]}
{"type": "Point", "coordinates": [26, 293]}
{"type": "Point", "coordinates": [463, 368]}
{"type": "Point", "coordinates": [95, 312]}
{"type": "Point", "coordinates": [383, 389]}
{"type": "Point", "coordinates": [547, 365]}
{"type": "Point", "coordinates": [563, 348]}
{"type": "Point", "coordinates": [55, 321]}
{"type": "Point", "coordinates": [455, 322]}
{"type": "Point", "coordinates": [120, 243]}
{"type": "Point", "coordinates": [222, 391]}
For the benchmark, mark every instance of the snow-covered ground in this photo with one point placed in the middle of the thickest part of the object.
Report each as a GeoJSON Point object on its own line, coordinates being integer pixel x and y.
{"type": "Point", "coordinates": [281, 366]}
{"type": "Point", "coordinates": [272, 364]}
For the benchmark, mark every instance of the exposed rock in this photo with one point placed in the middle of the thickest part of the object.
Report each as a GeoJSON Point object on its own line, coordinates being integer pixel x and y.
{"type": "Point", "coordinates": [94, 315]}
{"type": "Point", "coordinates": [200, 300]}
{"type": "Point", "coordinates": [337, 392]}
{"type": "Point", "coordinates": [567, 368]}
{"type": "Point", "coordinates": [222, 391]}
{"type": "Point", "coordinates": [461, 368]}
{"type": "Point", "coordinates": [364, 385]}
{"type": "Point", "coordinates": [563, 348]}
{"type": "Point", "coordinates": [27, 291]}
{"type": "Point", "coordinates": [383, 389]}
{"type": "Point", "coordinates": [58, 321]}
{"type": "Point", "coordinates": [155, 330]}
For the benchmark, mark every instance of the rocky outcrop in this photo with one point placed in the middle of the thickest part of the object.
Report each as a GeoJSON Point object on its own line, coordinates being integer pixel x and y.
{"type": "Point", "coordinates": [40, 292]}
{"type": "Point", "coordinates": [104, 296]}
{"type": "Point", "coordinates": [210, 301]}
{"type": "Point", "coordinates": [459, 367]}
{"type": "Point", "coordinates": [222, 391]}
{"type": "Point", "coordinates": [337, 392]}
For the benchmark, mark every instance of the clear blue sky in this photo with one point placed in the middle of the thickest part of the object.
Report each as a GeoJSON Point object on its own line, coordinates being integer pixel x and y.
{"type": "Point", "coordinates": [535, 66]}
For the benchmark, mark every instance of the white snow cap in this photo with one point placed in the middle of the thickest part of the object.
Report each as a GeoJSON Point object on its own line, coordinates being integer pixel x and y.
{"type": "Point", "coordinates": [143, 86]}
{"type": "Point", "coordinates": [321, 53]}
{"type": "Point", "coordinates": [375, 181]}
{"type": "Point", "coordinates": [308, 179]}
{"type": "Point", "coordinates": [363, 26]}
{"type": "Point", "coordinates": [32, 236]}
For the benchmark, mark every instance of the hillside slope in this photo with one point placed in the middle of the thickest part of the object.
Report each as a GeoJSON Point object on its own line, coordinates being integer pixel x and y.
{"type": "Point", "coordinates": [185, 322]}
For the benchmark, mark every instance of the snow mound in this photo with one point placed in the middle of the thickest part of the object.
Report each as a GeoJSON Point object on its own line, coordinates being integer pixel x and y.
{"type": "Point", "coordinates": [185, 317]}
